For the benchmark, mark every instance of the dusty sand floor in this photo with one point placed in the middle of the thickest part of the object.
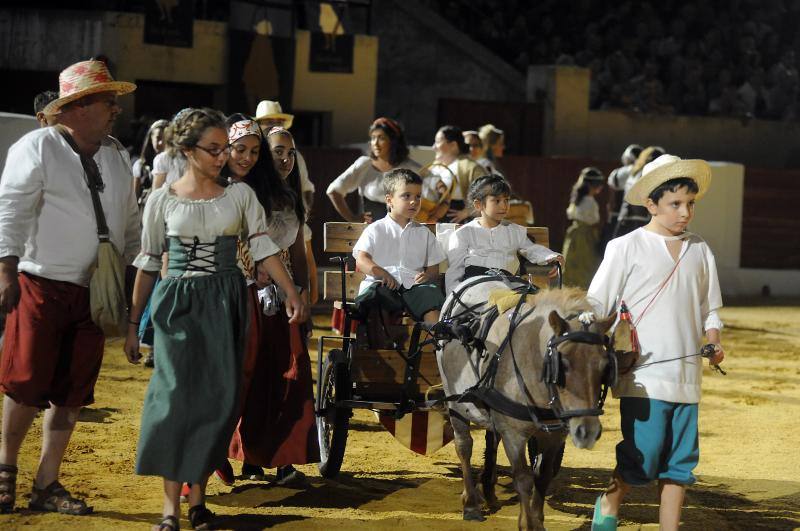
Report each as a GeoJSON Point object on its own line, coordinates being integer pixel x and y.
{"type": "Point", "coordinates": [749, 473]}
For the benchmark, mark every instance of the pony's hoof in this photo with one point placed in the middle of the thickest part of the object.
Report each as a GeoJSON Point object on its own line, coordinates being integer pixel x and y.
{"type": "Point", "coordinates": [492, 505]}
{"type": "Point", "coordinates": [474, 515]}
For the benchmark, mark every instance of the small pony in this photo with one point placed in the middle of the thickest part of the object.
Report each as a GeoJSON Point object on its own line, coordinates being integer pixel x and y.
{"type": "Point", "coordinates": [538, 369]}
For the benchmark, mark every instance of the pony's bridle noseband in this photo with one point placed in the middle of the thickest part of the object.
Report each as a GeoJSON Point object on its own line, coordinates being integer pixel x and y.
{"type": "Point", "coordinates": [553, 374]}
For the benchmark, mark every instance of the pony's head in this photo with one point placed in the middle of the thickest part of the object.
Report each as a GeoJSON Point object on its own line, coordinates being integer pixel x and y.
{"type": "Point", "coordinates": [582, 367]}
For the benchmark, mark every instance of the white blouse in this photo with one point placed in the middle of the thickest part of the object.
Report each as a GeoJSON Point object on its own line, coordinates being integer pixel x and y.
{"type": "Point", "coordinates": [587, 211]}
{"type": "Point", "coordinates": [496, 248]}
{"type": "Point", "coordinates": [633, 268]}
{"type": "Point", "coordinates": [282, 227]}
{"type": "Point", "coordinates": [172, 165]}
{"type": "Point", "coordinates": [234, 212]}
{"type": "Point", "coordinates": [367, 179]}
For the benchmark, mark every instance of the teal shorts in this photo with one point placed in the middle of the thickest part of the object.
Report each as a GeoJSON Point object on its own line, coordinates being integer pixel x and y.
{"type": "Point", "coordinates": [659, 441]}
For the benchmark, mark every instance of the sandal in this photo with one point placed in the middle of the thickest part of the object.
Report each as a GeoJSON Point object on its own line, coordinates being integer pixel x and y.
{"type": "Point", "coordinates": [168, 523]}
{"type": "Point", "coordinates": [8, 488]}
{"type": "Point", "coordinates": [54, 498]}
{"type": "Point", "coordinates": [200, 517]}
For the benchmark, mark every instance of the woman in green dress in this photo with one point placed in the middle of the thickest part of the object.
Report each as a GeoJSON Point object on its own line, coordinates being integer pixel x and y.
{"type": "Point", "coordinates": [199, 314]}
{"type": "Point", "coordinates": [581, 256]}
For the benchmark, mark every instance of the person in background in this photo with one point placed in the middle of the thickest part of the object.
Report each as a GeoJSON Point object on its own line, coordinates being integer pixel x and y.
{"type": "Point", "coordinates": [170, 164]}
{"type": "Point", "coordinates": [473, 141]}
{"type": "Point", "coordinates": [616, 184]}
{"type": "Point", "coordinates": [631, 216]}
{"type": "Point", "coordinates": [152, 145]}
{"type": "Point", "coordinates": [494, 145]}
{"type": "Point", "coordinates": [48, 249]}
{"type": "Point", "coordinates": [448, 179]}
{"type": "Point", "coordinates": [388, 151]}
{"type": "Point", "coordinates": [580, 244]}
{"type": "Point", "coordinates": [42, 100]}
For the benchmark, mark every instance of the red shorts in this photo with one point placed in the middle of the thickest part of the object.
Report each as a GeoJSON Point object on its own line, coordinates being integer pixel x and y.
{"type": "Point", "coordinates": [52, 350]}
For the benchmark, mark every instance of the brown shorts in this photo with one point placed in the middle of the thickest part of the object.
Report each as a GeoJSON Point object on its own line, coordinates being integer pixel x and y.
{"type": "Point", "coordinates": [52, 350]}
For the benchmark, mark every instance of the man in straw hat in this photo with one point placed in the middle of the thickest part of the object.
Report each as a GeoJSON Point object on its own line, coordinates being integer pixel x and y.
{"type": "Point", "coordinates": [48, 247]}
{"type": "Point", "coordinates": [668, 278]}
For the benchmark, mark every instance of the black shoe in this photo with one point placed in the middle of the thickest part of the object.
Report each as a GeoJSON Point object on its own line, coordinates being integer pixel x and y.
{"type": "Point", "coordinates": [253, 472]}
{"type": "Point", "coordinates": [149, 360]}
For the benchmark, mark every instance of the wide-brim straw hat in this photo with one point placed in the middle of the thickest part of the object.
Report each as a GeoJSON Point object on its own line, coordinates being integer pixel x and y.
{"type": "Point", "coordinates": [663, 169]}
{"type": "Point", "coordinates": [82, 79]}
{"type": "Point", "coordinates": [272, 110]}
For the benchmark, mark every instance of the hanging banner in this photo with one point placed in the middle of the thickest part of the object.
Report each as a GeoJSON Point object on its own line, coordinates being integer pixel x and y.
{"type": "Point", "coordinates": [169, 23]}
{"type": "Point", "coordinates": [331, 53]}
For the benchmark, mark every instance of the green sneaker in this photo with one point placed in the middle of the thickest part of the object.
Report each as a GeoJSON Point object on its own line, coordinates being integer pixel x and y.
{"type": "Point", "coordinates": [601, 522]}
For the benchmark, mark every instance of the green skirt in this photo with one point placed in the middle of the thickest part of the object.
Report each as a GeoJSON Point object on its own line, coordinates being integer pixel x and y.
{"type": "Point", "coordinates": [191, 406]}
{"type": "Point", "coordinates": [581, 258]}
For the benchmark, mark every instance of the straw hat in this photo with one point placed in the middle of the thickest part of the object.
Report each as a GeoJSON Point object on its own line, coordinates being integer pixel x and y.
{"type": "Point", "coordinates": [82, 79]}
{"type": "Point", "coordinates": [272, 109]}
{"type": "Point", "coordinates": [663, 169]}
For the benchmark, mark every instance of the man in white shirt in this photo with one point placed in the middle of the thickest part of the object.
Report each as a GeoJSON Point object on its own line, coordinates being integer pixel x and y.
{"type": "Point", "coordinates": [48, 248]}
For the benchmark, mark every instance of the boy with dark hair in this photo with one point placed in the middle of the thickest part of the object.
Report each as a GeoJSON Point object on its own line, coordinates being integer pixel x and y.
{"type": "Point", "coordinates": [400, 256]}
{"type": "Point", "coordinates": [668, 278]}
{"type": "Point", "coordinates": [42, 100]}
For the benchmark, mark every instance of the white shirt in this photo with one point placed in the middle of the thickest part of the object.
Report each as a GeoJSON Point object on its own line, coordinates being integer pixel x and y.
{"type": "Point", "coordinates": [172, 166]}
{"type": "Point", "coordinates": [587, 211]}
{"type": "Point", "coordinates": [235, 212]}
{"type": "Point", "coordinates": [402, 251]}
{"type": "Point", "coordinates": [618, 177]}
{"type": "Point", "coordinates": [362, 175]}
{"type": "Point", "coordinates": [633, 268]}
{"type": "Point", "coordinates": [46, 213]}
{"type": "Point", "coordinates": [496, 248]}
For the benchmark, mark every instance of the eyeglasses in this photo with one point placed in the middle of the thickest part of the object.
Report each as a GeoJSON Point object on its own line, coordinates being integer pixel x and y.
{"type": "Point", "coordinates": [216, 152]}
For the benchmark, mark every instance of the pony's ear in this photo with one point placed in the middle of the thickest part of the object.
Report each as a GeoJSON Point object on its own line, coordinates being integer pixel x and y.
{"type": "Point", "coordinates": [604, 325]}
{"type": "Point", "coordinates": [558, 324]}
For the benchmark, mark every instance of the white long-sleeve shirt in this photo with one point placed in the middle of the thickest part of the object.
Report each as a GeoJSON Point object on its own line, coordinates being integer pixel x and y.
{"type": "Point", "coordinates": [633, 268]}
{"type": "Point", "coordinates": [402, 251]}
{"type": "Point", "coordinates": [46, 213]}
{"type": "Point", "coordinates": [497, 248]}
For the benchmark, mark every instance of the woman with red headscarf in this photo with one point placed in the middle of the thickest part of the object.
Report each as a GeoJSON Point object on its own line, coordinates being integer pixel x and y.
{"type": "Point", "coordinates": [388, 150]}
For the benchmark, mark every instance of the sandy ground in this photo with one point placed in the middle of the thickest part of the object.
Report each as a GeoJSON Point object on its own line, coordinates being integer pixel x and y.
{"type": "Point", "coordinates": [748, 472]}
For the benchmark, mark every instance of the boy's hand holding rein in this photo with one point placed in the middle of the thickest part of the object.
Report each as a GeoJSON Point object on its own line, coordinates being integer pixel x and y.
{"type": "Point", "coordinates": [714, 337]}
{"type": "Point", "coordinates": [427, 276]}
{"type": "Point", "coordinates": [385, 277]}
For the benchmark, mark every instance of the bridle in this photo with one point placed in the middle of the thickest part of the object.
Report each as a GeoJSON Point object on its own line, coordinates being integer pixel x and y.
{"type": "Point", "coordinates": [554, 375]}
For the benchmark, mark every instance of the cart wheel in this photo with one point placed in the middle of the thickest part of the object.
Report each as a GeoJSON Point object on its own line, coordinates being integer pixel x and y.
{"type": "Point", "coordinates": [332, 421]}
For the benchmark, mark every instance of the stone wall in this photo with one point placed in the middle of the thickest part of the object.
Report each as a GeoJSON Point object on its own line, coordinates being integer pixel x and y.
{"type": "Point", "coordinates": [423, 58]}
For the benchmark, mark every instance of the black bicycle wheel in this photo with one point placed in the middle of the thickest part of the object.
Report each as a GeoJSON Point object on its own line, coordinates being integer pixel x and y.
{"type": "Point", "coordinates": [333, 421]}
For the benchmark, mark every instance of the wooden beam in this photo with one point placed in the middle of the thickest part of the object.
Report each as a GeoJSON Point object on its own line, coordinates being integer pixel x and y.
{"type": "Point", "coordinates": [332, 284]}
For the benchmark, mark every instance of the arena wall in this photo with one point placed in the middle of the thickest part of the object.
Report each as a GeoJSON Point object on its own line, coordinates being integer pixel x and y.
{"type": "Point", "coordinates": [571, 129]}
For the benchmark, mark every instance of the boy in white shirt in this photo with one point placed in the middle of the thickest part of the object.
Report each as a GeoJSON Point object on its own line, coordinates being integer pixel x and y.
{"type": "Point", "coordinates": [488, 241]}
{"type": "Point", "coordinates": [400, 256]}
{"type": "Point", "coordinates": [668, 279]}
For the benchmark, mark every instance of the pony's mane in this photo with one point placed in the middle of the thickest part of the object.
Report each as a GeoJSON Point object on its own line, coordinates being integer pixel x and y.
{"type": "Point", "coordinates": [565, 301]}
